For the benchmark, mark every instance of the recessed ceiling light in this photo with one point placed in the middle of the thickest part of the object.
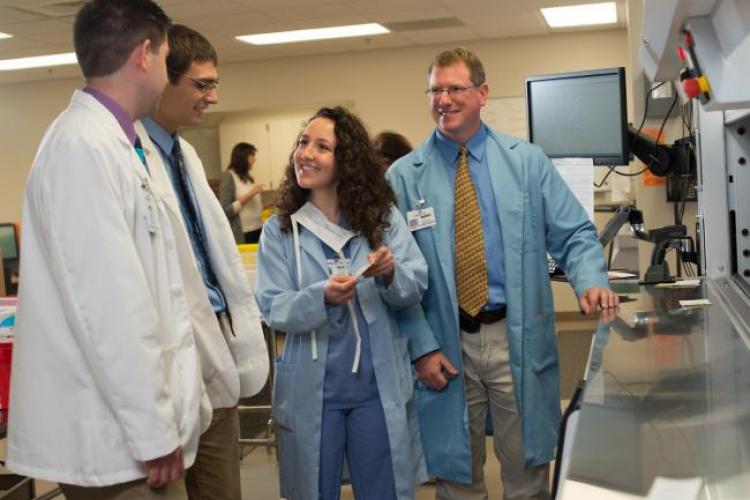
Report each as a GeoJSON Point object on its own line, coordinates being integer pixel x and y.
{"type": "Point", "coordinates": [5, 35]}
{"type": "Point", "coordinates": [580, 15]}
{"type": "Point", "coordinates": [38, 61]}
{"type": "Point", "coordinates": [314, 34]}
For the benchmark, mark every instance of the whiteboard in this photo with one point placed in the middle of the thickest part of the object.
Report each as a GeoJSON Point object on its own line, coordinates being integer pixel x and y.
{"type": "Point", "coordinates": [506, 115]}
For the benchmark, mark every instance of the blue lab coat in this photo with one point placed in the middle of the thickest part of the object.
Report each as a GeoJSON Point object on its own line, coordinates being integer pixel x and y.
{"type": "Point", "coordinates": [298, 382]}
{"type": "Point", "coordinates": [539, 214]}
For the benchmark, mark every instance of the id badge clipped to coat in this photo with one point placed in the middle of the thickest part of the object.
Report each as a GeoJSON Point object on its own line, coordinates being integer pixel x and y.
{"type": "Point", "coordinates": [151, 210]}
{"type": "Point", "coordinates": [421, 217]}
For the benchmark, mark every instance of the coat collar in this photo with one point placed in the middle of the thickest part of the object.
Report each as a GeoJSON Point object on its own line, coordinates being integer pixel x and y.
{"type": "Point", "coordinates": [109, 124]}
{"type": "Point", "coordinates": [311, 244]}
{"type": "Point", "coordinates": [106, 118]}
{"type": "Point", "coordinates": [161, 184]}
{"type": "Point", "coordinates": [423, 153]}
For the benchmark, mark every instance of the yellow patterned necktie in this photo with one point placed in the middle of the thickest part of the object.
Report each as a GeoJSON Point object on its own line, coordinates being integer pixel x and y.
{"type": "Point", "coordinates": [471, 268]}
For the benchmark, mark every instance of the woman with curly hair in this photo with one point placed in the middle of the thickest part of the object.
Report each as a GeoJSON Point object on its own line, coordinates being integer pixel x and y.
{"type": "Point", "coordinates": [333, 266]}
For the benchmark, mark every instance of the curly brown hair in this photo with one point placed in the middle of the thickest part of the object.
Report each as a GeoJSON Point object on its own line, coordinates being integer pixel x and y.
{"type": "Point", "coordinates": [365, 198]}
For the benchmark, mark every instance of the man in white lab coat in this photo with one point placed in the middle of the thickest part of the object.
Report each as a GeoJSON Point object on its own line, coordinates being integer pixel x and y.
{"type": "Point", "coordinates": [224, 315]}
{"type": "Point", "coordinates": [107, 391]}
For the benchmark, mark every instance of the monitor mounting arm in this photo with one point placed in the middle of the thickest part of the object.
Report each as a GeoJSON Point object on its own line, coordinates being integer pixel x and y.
{"type": "Point", "coordinates": [663, 239]}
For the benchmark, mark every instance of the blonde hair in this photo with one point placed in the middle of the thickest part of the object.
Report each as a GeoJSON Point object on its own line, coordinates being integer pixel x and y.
{"type": "Point", "coordinates": [457, 55]}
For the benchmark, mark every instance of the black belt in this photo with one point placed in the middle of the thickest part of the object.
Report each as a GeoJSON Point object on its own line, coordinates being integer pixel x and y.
{"type": "Point", "coordinates": [471, 324]}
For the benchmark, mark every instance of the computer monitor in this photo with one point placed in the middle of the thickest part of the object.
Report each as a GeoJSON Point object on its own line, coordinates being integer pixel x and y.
{"type": "Point", "coordinates": [580, 115]}
{"type": "Point", "coordinates": [9, 247]}
{"type": "Point", "coordinates": [8, 241]}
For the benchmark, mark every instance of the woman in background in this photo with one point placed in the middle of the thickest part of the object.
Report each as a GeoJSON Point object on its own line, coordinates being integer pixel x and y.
{"type": "Point", "coordinates": [240, 196]}
{"type": "Point", "coordinates": [390, 146]}
{"type": "Point", "coordinates": [343, 387]}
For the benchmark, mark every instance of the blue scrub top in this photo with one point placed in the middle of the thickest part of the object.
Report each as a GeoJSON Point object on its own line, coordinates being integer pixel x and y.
{"type": "Point", "coordinates": [343, 389]}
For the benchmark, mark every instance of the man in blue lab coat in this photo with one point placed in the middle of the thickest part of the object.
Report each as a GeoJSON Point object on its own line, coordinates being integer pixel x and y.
{"type": "Point", "coordinates": [485, 209]}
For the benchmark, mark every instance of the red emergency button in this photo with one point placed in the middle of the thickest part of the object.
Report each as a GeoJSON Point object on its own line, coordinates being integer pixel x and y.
{"type": "Point", "coordinates": [688, 37]}
{"type": "Point", "coordinates": [692, 87]}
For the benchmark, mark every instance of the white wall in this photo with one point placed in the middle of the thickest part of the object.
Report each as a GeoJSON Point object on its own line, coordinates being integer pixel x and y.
{"type": "Point", "coordinates": [386, 87]}
{"type": "Point", "coordinates": [25, 112]}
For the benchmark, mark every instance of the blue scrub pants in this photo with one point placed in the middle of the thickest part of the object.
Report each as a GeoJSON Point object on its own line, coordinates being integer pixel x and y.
{"type": "Point", "coordinates": [360, 433]}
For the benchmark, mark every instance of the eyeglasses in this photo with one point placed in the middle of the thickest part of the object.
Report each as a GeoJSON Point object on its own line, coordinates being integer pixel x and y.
{"type": "Point", "coordinates": [204, 86]}
{"type": "Point", "coordinates": [453, 91]}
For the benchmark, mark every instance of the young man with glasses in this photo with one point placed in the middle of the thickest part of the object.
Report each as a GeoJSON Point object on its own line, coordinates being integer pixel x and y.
{"type": "Point", "coordinates": [106, 389]}
{"type": "Point", "coordinates": [485, 208]}
{"type": "Point", "coordinates": [222, 311]}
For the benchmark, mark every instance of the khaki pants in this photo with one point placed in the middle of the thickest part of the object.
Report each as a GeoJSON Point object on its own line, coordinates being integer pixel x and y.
{"type": "Point", "coordinates": [489, 385]}
{"type": "Point", "coordinates": [216, 472]}
{"type": "Point", "coordinates": [134, 490]}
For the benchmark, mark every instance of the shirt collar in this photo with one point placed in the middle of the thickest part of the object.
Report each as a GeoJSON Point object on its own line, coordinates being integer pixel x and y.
{"type": "Point", "coordinates": [122, 116]}
{"type": "Point", "coordinates": [450, 149]}
{"type": "Point", "coordinates": [163, 139]}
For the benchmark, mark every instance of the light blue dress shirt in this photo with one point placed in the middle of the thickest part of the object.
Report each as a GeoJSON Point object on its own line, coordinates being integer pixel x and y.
{"type": "Point", "coordinates": [491, 226]}
{"type": "Point", "coordinates": [165, 142]}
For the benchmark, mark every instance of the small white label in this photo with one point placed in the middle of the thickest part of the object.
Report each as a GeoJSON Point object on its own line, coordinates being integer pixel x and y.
{"type": "Point", "coordinates": [420, 219]}
{"type": "Point", "coordinates": [340, 267]}
{"type": "Point", "coordinates": [695, 303]}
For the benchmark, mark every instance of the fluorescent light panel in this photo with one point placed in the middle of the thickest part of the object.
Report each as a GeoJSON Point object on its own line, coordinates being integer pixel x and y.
{"type": "Point", "coordinates": [314, 34]}
{"type": "Point", "coordinates": [580, 15]}
{"type": "Point", "coordinates": [38, 61]}
{"type": "Point", "coordinates": [5, 35]}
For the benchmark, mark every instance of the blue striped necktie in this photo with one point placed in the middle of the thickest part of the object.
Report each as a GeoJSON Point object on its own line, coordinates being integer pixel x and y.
{"type": "Point", "coordinates": [192, 222]}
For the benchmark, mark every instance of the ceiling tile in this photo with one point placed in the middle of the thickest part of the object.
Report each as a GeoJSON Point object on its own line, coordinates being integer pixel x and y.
{"type": "Point", "coordinates": [37, 27]}
{"type": "Point", "coordinates": [11, 15]}
{"type": "Point", "coordinates": [62, 38]}
{"type": "Point", "coordinates": [319, 16]}
{"type": "Point", "coordinates": [231, 26]}
{"type": "Point", "coordinates": [440, 36]}
{"type": "Point", "coordinates": [10, 47]}
{"type": "Point", "coordinates": [284, 4]}
{"type": "Point", "coordinates": [513, 25]}
{"type": "Point", "coordinates": [178, 12]}
{"type": "Point", "coordinates": [400, 10]}
{"type": "Point", "coordinates": [488, 7]}
{"type": "Point", "coordinates": [222, 20]}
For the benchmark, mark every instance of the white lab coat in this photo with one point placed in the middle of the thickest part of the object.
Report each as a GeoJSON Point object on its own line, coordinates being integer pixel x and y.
{"type": "Point", "coordinates": [106, 373]}
{"type": "Point", "coordinates": [233, 366]}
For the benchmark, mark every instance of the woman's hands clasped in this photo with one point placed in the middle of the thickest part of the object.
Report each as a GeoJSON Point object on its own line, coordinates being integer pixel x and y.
{"type": "Point", "coordinates": [340, 289]}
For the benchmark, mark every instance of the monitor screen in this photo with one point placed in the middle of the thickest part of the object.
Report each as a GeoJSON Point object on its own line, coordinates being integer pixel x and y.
{"type": "Point", "coordinates": [8, 241]}
{"type": "Point", "coordinates": [580, 115]}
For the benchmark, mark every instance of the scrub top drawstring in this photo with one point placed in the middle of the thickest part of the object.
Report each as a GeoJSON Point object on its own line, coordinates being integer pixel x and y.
{"type": "Point", "coordinates": [298, 258]}
{"type": "Point", "coordinates": [349, 305]}
{"type": "Point", "coordinates": [355, 324]}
